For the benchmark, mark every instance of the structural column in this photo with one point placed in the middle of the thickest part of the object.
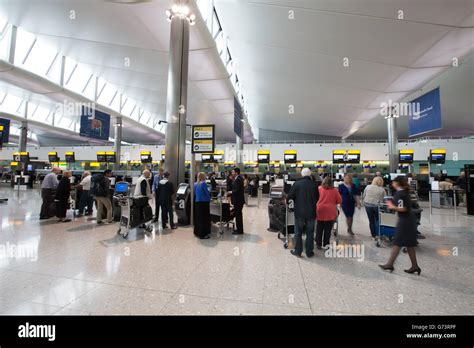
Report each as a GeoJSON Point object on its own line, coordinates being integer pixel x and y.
{"type": "Point", "coordinates": [176, 104]}
{"type": "Point", "coordinates": [23, 136]}
{"type": "Point", "coordinates": [118, 140]}
{"type": "Point", "coordinates": [392, 143]}
{"type": "Point", "coordinates": [239, 144]}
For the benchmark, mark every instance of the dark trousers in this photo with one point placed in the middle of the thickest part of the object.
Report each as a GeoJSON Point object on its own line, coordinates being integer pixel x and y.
{"type": "Point", "coordinates": [167, 214]}
{"type": "Point", "coordinates": [85, 201]}
{"type": "Point", "coordinates": [48, 198]}
{"type": "Point", "coordinates": [301, 226]}
{"type": "Point", "coordinates": [323, 232]}
{"type": "Point", "coordinates": [373, 215]}
{"type": "Point", "coordinates": [202, 219]}
{"type": "Point", "coordinates": [63, 205]}
{"type": "Point", "coordinates": [239, 219]}
{"type": "Point", "coordinates": [157, 206]}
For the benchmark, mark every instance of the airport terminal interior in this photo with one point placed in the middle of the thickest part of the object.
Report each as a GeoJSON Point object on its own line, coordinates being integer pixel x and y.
{"type": "Point", "coordinates": [218, 157]}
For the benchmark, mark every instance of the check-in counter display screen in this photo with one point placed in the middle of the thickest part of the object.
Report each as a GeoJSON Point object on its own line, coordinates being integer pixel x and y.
{"type": "Point", "coordinates": [406, 158]}
{"type": "Point", "coordinates": [290, 158]}
{"type": "Point", "coordinates": [438, 158]}
{"type": "Point", "coordinates": [340, 158]}
{"type": "Point", "coordinates": [353, 158]}
{"type": "Point", "coordinates": [263, 158]}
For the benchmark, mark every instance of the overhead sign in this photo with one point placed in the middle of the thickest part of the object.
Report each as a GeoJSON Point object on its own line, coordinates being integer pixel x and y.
{"type": "Point", "coordinates": [111, 156]}
{"type": "Point", "coordinates": [290, 156]}
{"type": "Point", "coordinates": [203, 140]}
{"type": "Point", "coordinates": [101, 157]}
{"type": "Point", "coordinates": [70, 157]}
{"type": "Point", "coordinates": [5, 133]}
{"type": "Point", "coordinates": [1, 135]}
{"type": "Point", "coordinates": [94, 124]}
{"type": "Point", "coordinates": [145, 157]}
{"type": "Point", "coordinates": [203, 132]}
{"type": "Point", "coordinates": [406, 156]}
{"type": "Point", "coordinates": [53, 157]}
{"type": "Point", "coordinates": [426, 113]}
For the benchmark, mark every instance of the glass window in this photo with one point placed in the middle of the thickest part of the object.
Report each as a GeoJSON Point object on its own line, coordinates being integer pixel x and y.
{"type": "Point", "coordinates": [40, 58]}
{"type": "Point", "coordinates": [24, 40]}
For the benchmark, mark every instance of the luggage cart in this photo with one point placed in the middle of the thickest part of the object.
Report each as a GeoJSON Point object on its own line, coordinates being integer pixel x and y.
{"type": "Point", "coordinates": [221, 212]}
{"type": "Point", "coordinates": [133, 215]}
{"type": "Point", "coordinates": [335, 227]}
{"type": "Point", "coordinates": [387, 224]}
{"type": "Point", "coordinates": [289, 221]}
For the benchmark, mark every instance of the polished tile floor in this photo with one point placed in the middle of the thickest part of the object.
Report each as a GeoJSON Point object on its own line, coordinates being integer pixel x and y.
{"type": "Point", "coordinates": [79, 268]}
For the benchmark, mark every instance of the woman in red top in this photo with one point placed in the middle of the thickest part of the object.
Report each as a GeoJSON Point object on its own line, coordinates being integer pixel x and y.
{"type": "Point", "coordinates": [326, 211]}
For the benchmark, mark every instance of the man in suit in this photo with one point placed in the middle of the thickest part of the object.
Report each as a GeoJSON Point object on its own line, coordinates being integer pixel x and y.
{"type": "Point", "coordinates": [238, 200]}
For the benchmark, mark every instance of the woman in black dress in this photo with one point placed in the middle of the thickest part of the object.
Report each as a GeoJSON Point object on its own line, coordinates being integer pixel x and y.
{"type": "Point", "coordinates": [405, 234]}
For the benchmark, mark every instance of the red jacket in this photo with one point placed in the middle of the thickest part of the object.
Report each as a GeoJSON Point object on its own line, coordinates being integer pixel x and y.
{"type": "Point", "coordinates": [326, 209]}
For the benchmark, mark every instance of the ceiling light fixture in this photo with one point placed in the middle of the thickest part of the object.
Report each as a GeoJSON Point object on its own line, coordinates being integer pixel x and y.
{"type": "Point", "coordinates": [182, 11]}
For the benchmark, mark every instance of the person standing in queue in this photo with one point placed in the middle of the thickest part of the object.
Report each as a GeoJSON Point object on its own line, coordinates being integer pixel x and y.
{"type": "Point", "coordinates": [304, 193]}
{"type": "Point", "coordinates": [238, 200]}
{"type": "Point", "coordinates": [212, 178]}
{"type": "Point", "coordinates": [326, 212]}
{"type": "Point", "coordinates": [86, 199]}
{"type": "Point", "coordinates": [63, 194]}
{"type": "Point", "coordinates": [350, 200]}
{"type": "Point", "coordinates": [372, 196]}
{"type": "Point", "coordinates": [165, 193]}
{"type": "Point", "coordinates": [142, 192]}
{"type": "Point", "coordinates": [156, 181]}
{"type": "Point", "coordinates": [48, 188]}
{"type": "Point", "coordinates": [202, 216]}
{"type": "Point", "coordinates": [406, 229]}
{"type": "Point", "coordinates": [100, 189]}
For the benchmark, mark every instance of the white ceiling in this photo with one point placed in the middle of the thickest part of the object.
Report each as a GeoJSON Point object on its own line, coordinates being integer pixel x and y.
{"type": "Point", "coordinates": [103, 34]}
{"type": "Point", "coordinates": [299, 61]}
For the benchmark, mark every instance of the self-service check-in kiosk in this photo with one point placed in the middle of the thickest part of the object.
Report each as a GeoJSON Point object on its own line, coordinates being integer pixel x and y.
{"type": "Point", "coordinates": [183, 204]}
{"type": "Point", "coordinates": [469, 170]}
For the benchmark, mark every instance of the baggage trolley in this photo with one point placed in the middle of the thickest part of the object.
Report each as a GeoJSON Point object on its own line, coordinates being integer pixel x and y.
{"type": "Point", "coordinates": [289, 220]}
{"type": "Point", "coordinates": [387, 224]}
{"type": "Point", "coordinates": [133, 214]}
{"type": "Point", "coordinates": [335, 228]}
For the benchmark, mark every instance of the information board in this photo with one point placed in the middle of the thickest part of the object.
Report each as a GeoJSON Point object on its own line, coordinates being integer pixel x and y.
{"type": "Point", "coordinates": [203, 139]}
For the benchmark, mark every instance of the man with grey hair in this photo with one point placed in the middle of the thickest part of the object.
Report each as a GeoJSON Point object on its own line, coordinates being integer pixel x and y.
{"type": "Point", "coordinates": [86, 198]}
{"type": "Point", "coordinates": [304, 195]}
{"type": "Point", "coordinates": [48, 188]}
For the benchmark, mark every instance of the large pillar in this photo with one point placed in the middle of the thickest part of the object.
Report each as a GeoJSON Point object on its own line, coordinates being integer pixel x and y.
{"type": "Point", "coordinates": [239, 144]}
{"type": "Point", "coordinates": [176, 104]}
{"type": "Point", "coordinates": [23, 136]}
{"type": "Point", "coordinates": [118, 140]}
{"type": "Point", "coordinates": [392, 143]}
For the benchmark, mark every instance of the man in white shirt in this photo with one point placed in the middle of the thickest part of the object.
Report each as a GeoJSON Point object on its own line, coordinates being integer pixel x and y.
{"type": "Point", "coordinates": [86, 198]}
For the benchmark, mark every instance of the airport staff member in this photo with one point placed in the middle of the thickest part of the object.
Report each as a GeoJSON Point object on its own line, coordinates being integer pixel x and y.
{"type": "Point", "coordinates": [156, 181]}
{"type": "Point", "coordinates": [86, 199]}
{"type": "Point", "coordinates": [100, 190]}
{"type": "Point", "coordinates": [304, 193]}
{"type": "Point", "coordinates": [238, 200]}
{"type": "Point", "coordinates": [48, 187]}
{"type": "Point", "coordinates": [62, 196]}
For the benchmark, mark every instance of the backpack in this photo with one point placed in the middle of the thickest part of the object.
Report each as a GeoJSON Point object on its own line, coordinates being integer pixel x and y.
{"type": "Point", "coordinates": [98, 186]}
